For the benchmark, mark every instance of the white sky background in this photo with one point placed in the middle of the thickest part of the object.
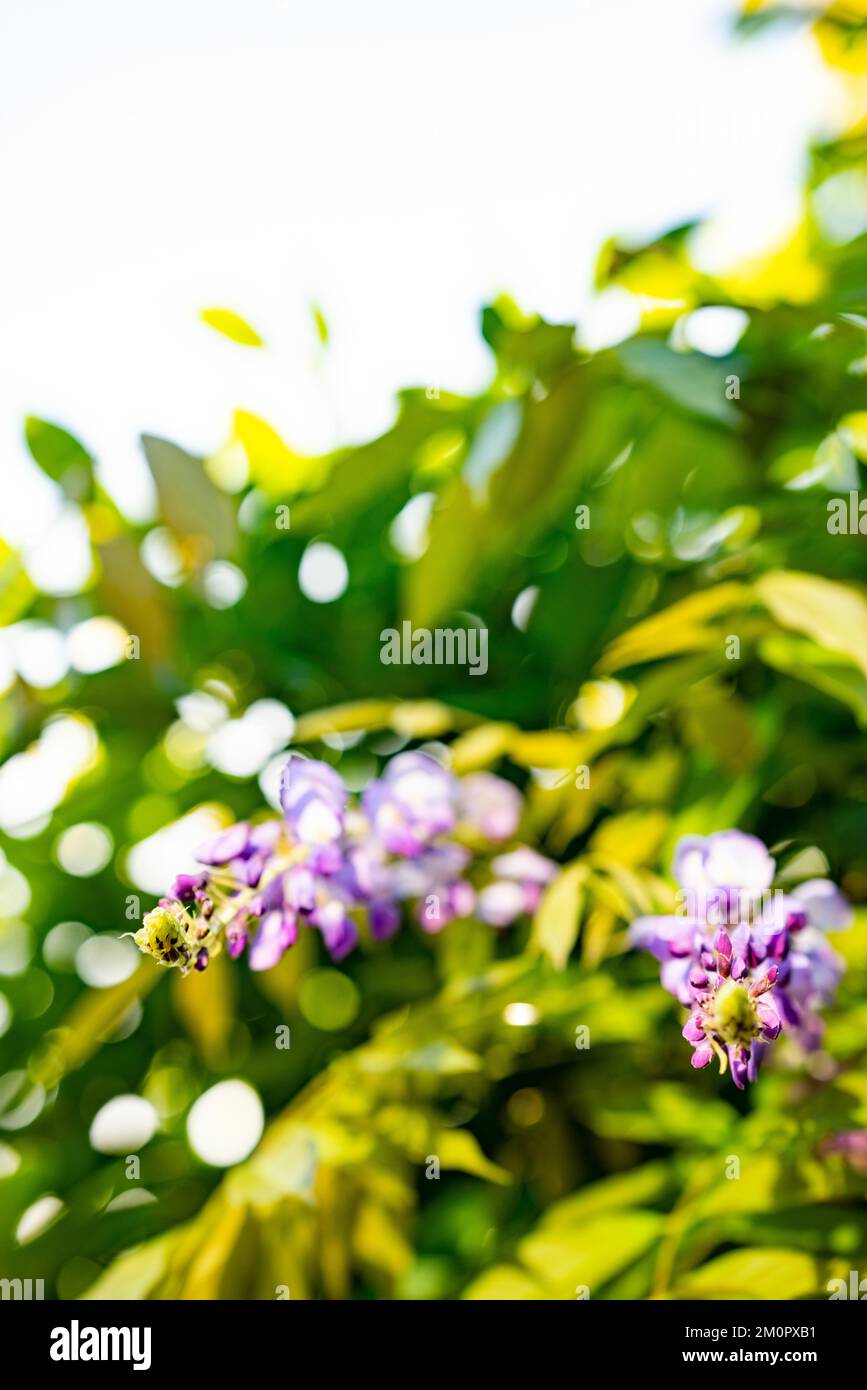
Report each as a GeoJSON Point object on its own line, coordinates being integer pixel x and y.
{"type": "Point", "coordinates": [397, 162]}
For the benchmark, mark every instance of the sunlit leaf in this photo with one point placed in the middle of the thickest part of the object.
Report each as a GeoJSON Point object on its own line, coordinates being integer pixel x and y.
{"type": "Point", "coordinates": [274, 467]}
{"type": "Point", "coordinates": [232, 326]}
{"type": "Point", "coordinates": [832, 614]}
{"type": "Point", "coordinates": [504, 1283]}
{"type": "Point", "coordinates": [189, 501]}
{"type": "Point", "coordinates": [59, 454]}
{"type": "Point", "coordinates": [759, 1273]}
{"type": "Point", "coordinates": [589, 1255]}
{"type": "Point", "coordinates": [555, 925]}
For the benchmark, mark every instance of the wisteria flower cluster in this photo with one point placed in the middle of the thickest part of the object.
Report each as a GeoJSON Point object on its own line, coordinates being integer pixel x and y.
{"type": "Point", "coordinates": [749, 961]}
{"type": "Point", "coordinates": [334, 864]}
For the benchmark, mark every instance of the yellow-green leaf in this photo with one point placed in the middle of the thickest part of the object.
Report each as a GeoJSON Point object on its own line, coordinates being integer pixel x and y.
{"type": "Point", "coordinates": [644, 1184]}
{"type": "Point", "coordinates": [632, 839]}
{"type": "Point", "coordinates": [134, 1274]}
{"type": "Point", "coordinates": [276, 468]}
{"type": "Point", "coordinates": [378, 1241]}
{"type": "Point", "coordinates": [555, 926]}
{"type": "Point", "coordinates": [832, 614]}
{"type": "Point", "coordinates": [683, 627]}
{"type": "Point", "coordinates": [205, 1003]}
{"type": "Point", "coordinates": [481, 746]}
{"type": "Point", "coordinates": [457, 1148]}
{"type": "Point", "coordinates": [756, 1272]}
{"type": "Point", "coordinates": [232, 326]}
{"type": "Point", "coordinates": [504, 1283]}
{"type": "Point", "coordinates": [592, 1253]}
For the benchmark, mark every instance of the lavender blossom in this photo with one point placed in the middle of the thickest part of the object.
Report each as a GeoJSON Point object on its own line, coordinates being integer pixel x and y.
{"type": "Point", "coordinates": [413, 802]}
{"type": "Point", "coordinates": [521, 877]}
{"type": "Point", "coordinates": [491, 805]}
{"type": "Point", "coordinates": [748, 962]}
{"type": "Point", "coordinates": [331, 866]}
{"type": "Point", "coordinates": [733, 1010]}
{"type": "Point", "coordinates": [313, 798]}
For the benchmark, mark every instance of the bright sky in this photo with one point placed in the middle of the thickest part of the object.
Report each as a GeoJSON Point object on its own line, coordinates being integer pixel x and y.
{"type": "Point", "coordinates": [396, 162]}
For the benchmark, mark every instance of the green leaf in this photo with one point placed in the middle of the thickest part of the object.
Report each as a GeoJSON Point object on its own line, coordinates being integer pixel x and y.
{"type": "Point", "coordinates": [682, 627]}
{"type": "Point", "coordinates": [830, 1230]}
{"type": "Point", "coordinates": [410, 718]}
{"type": "Point", "coordinates": [832, 614]}
{"type": "Point", "coordinates": [631, 839]}
{"type": "Point", "coordinates": [60, 455]}
{"type": "Point", "coordinates": [504, 1283]}
{"type": "Point", "coordinates": [695, 383]}
{"type": "Point", "coordinates": [662, 1113]}
{"type": "Point", "coordinates": [555, 925]}
{"type": "Point", "coordinates": [379, 1243]}
{"type": "Point", "coordinates": [274, 467]}
{"type": "Point", "coordinates": [567, 1258]}
{"type": "Point", "coordinates": [439, 1058]}
{"type": "Point", "coordinates": [136, 1273]}
{"type": "Point", "coordinates": [207, 1008]}
{"type": "Point", "coordinates": [320, 323]}
{"type": "Point", "coordinates": [17, 591]}
{"type": "Point", "coordinates": [232, 326]}
{"type": "Point", "coordinates": [817, 666]}
{"type": "Point", "coordinates": [458, 1148]}
{"type": "Point", "coordinates": [644, 1184]}
{"type": "Point", "coordinates": [189, 501]}
{"type": "Point", "coordinates": [757, 1272]}
{"type": "Point", "coordinates": [481, 746]}
{"type": "Point", "coordinates": [358, 478]}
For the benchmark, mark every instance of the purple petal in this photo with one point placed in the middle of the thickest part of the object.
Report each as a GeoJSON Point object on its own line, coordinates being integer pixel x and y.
{"type": "Point", "coordinates": [826, 906]}
{"type": "Point", "coordinates": [524, 865]}
{"type": "Point", "coordinates": [736, 860]}
{"type": "Point", "coordinates": [666, 937]}
{"type": "Point", "coordinates": [769, 1018]}
{"type": "Point", "coordinates": [413, 802]}
{"type": "Point", "coordinates": [300, 889]}
{"type": "Point", "coordinates": [229, 844]}
{"type": "Point", "coordinates": [185, 886]}
{"type": "Point", "coordinates": [689, 859]}
{"type": "Point", "coordinates": [277, 931]}
{"type": "Point", "coordinates": [340, 940]}
{"type": "Point", "coordinates": [313, 798]}
{"type": "Point", "coordinates": [491, 804]}
{"type": "Point", "coordinates": [500, 903]}
{"type": "Point", "coordinates": [739, 1059]}
{"type": "Point", "coordinates": [384, 920]}
{"type": "Point", "coordinates": [674, 977]}
{"type": "Point", "coordinates": [692, 1030]}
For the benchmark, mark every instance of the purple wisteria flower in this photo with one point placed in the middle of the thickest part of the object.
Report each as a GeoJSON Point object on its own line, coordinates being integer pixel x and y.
{"type": "Point", "coordinates": [412, 803]}
{"type": "Point", "coordinates": [333, 866]}
{"type": "Point", "coordinates": [313, 798]}
{"type": "Point", "coordinates": [491, 806]}
{"type": "Point", "coordinates": [521, 878]}
{"type": "Point", "coordinates": [749, 961]}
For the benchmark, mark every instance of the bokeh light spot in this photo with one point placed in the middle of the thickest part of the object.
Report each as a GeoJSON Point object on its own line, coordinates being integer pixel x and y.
{"type": "Point", "coordinates": [123, 1125]}
{"type": "Point", "coordinates": [226, 1123]}
{"type": "Point", "coordinates": [105, 960]}
{"type": "Point", "coordinates": [84, 850]}
{"type": "Point", "coordinates": [328, 999]}
{"type": "Point", "coordinates": [323, 573]}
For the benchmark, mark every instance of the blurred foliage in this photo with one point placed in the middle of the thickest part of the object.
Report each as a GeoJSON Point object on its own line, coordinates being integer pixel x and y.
{"type": "Point", "coordinates": [696, 641]}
